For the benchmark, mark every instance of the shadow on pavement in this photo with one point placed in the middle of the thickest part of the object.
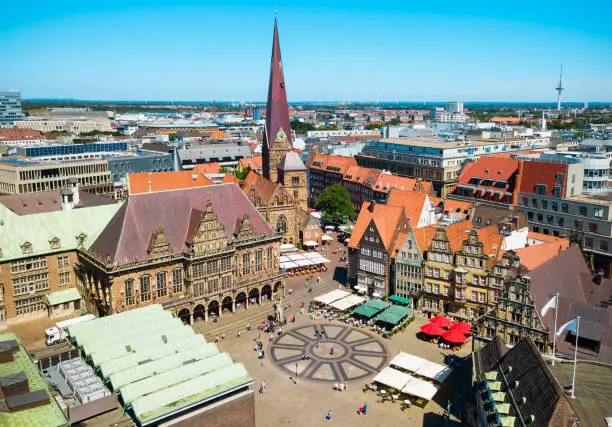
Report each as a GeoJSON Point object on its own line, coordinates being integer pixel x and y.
{"type": "Point", "coordinates": [431, 419]}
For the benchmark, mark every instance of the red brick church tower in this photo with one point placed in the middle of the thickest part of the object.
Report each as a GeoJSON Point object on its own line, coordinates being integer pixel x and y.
{"type": "Point", "coordinates": [280, 162]}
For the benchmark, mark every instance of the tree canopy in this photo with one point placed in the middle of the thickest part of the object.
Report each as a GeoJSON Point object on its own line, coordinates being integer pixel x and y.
{"type": "Point", "coordinates": [336, 204]}
{"type": "Point", "coordinates": [241, 174]}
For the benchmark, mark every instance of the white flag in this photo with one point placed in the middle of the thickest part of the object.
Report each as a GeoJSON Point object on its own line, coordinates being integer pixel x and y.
{"type": "Point", "coordinates": [550, 304]}
{"type": "Point", "coordinates": [570, 326]}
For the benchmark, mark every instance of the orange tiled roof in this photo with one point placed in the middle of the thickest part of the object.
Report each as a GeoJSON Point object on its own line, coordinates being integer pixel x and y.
{"type": "Point", "coordinates": [264, 187]}
{"type": "Point", "coordinates": [413, 203]}
{"type": "Point", "coordinates": [386, 182]}
{"type": "Point", "coordinates": [452, 205]}
{"type": "Point", "coordinates": [207, 168]}
{"type": "Point", "coordinates": [513, 120]}
{"type": "Point", "coordinates": [253, 163]}
{"type": "Point", "coordinates": [230, 178]}
{"type": "Point", "coordinates": [536, 255]}
{"type": "Point", "coordinates": [217, 134]}
{"type": "Point", "coordinates": [424, 236]}
{"type": "Point", "coordinates": [328, 162]}
{"type": "Point", "coordinates": [386, 219]}
{"type": "Point", "coordinates": [489, 167]}
{"type": "Point", "coordinates": [544, 237]}
{"type": "Point", "coordinates": [148, 182]}
{"type": "Point", "coordinates": [12, 134]}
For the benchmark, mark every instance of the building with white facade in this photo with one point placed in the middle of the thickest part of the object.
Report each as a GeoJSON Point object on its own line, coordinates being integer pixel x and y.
{"type": "Point", "coordinates": [10, 107]}
{"type": "Point", "coordinates": [74, 126]}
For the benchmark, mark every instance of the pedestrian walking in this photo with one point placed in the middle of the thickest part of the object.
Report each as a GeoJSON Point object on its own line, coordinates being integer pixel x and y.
{"type": "Point", "coordinates": [318, 279]}
{"type": "Point", "coordinates": [249, 326]}
{"type": "Point", "coordinates": [331, 351]}
{"type": "Point", "coordinates": [360, 410]}
{"type": "Point", "coordinates": [328, 416]}
{"type": "Point", "coordinates": [262, 387]}
{"type": "Point", "coordinates": [365, 408]}
{"type": "Point", "coordinates": [302, 311]}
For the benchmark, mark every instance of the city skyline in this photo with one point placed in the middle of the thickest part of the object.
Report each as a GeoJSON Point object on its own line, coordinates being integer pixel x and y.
{"type": "Point", "coordinates": [190, 52]}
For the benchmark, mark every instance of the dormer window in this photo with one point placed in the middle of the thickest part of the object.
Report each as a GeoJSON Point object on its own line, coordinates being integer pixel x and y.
{"type": "Point", "coordinates": [54, 243]}
{"type": "Point", "coordinates": [26, 248]}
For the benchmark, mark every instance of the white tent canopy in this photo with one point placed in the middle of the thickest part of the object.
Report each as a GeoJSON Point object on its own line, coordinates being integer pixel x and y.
{"type": "Point", "coordinates": [296, 257]}
{"type": "Point", "coordinates": [421, 367]}
{"type": "Point", "coordinates": [347, 302]}
{"type": "Point", "coordinates": [284, 258]}
{"type": "Point", "coordinates": [310, 243]}
{"type": "Point", "coordinates": [311, 255]}
{"type": "Point", "coordinates": [420, 388]}
{"type": "Point", "coordinates": [286, 247]}
{"type": "Point", "coordinates": [302, 262]}
{"type": "Point", "coordinates": [434, 371]}
{"type": "Point", "coordinates": [327, 237]}
{"type": "Point", "coordinates": [332, 296]}
{"type": "Point", "coordinates": [407, 361]}
{"type": "Point", "coordinates": [392, 378]}
{"type": "Point", "coordinates": [319, 260]}
{"type": "Point", "coordinates": [288, 264]}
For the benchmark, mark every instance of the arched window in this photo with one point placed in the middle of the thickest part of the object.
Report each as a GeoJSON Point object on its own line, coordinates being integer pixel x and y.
{"type": "Point", "coordinates": [162, 289]}
{"type": "Point", "coordinates": [281, 224]}
{"type": "Point", "coordinates": [145, 288]}
{"type": "Point", "coordinates": [128, 292]}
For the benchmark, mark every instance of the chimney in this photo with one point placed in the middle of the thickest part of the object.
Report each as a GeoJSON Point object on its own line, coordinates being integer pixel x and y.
{"type": "Point", "coordinates": [67, 200]}
{"type": "Point", "coordinates": [371, 207]}
{"type": "Point", "coordinates": [73, 185]}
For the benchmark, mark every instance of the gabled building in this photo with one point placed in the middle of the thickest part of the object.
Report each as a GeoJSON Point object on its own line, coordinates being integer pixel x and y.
{"type": "Point", "coordinates": [195, 258]}
{"type": "Point", "coordinates": [372, 245]}
{"type": "Point", "coordinates": [40, 235]}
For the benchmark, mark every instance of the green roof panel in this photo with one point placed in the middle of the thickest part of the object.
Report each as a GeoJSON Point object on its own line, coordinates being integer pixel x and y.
{"type": "Point", "coordinates": [61, 297]}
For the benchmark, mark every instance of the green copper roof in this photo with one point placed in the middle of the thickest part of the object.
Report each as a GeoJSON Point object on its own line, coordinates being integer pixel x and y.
{"type": "Point", "coordinates": [157, 364]}
{"type": "Point", "coordinates": [370, 308]}
{"type": "Point", "coordinates": [49, 415]}
{"type": "Point", "coordinates": [61, 297]}
{"type": "Point", "coordinates": [40, 229]}
{"type": "Point", "coordinates": [400, 300]}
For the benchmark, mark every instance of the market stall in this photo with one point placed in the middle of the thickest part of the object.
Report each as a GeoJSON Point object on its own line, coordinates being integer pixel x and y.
{"type": "Point", "coordinates": [348, 302]}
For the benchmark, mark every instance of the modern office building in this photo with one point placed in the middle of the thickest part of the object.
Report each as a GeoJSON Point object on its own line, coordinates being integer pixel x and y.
{"type": "Point", "coordinates": [74, 126]}
{"type": "Point", "coordinates": [10, 107]}
{"type": "Point", "coordinates": [585, 219]}
{"type": "Point", "coordinates": [21, 176]}
{"type": "Point", "coordinates": [227, 154]}
{"type": "Point", "coordinates": [442, 115]}
{"type": "Point", "coordinates": [437, 160]}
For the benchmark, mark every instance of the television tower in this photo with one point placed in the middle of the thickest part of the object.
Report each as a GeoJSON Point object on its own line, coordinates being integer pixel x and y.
{"type": "Point", "coordinates": [559, 89]}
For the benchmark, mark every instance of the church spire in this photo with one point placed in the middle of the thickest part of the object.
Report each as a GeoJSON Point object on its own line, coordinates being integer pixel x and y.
{"type": "Point", "coordinates": [278, 131]}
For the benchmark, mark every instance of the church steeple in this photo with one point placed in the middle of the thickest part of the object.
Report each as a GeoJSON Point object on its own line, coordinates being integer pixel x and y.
{"type": "Point", "coordinates": [277, 138]}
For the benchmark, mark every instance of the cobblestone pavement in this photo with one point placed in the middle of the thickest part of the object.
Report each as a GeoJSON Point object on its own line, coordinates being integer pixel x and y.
{"type": "Point", "coordinates": [341, 354]}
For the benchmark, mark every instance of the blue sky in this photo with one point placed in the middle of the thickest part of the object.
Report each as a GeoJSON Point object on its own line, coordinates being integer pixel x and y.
{"type": "Point", "coordinates": [332, 50]}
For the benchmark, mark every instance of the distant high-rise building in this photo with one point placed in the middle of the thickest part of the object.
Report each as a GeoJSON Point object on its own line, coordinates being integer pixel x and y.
{"type": "Point", "coordinates": [10, 107]}
{"type": "Point", "coordinates": [256, 114]}
{"type": "Point", "coordinates": [560, 89]}
{"type": "Point", "coordinates": [454, 107]}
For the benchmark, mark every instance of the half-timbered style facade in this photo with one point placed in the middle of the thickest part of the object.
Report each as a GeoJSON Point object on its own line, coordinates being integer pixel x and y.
{"type": "Point", "coordinates": [198, 252]}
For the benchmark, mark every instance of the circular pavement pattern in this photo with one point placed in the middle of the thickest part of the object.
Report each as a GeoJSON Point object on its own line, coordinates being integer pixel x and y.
{"type": "Point", "coordinates": [344, 353]}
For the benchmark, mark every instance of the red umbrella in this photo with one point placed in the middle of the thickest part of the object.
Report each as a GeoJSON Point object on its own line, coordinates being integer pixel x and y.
{"type": "Point", "coordinates": [441, 321]}
{"type": "Point", "coordinates": [433, 330]}
{"type": "Point", "coordinates": [454, 336]}
{"type": "Point", "coordinates": [463, 327]}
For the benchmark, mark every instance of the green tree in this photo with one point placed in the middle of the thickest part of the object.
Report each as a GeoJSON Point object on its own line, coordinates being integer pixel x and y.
{"type": "Point", "coordinates": [241, 174]}
{"type": "Point", "coordinates": [395, 121]}
{"type": "Point", "coordinates": [300, 127]}
{"type": "Point", "coordinates": [336, 204]}
{"type": "Point", "coordinates": [172, 137]}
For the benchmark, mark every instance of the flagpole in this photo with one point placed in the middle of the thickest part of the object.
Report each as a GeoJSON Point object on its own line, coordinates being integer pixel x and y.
{"type": "Point", "coordinates": [575, 356]}
{"type": "Point", "coordinates": [555, 331]}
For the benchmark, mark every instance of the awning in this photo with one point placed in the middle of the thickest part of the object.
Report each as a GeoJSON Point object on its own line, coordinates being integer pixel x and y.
{"type": "Point", "coordinates": [400, 300]}
{"type": "Point", "coordinates": [332, 296]}
{"type": "Point", "coordinates": [419, 388]}
{"type": "Point", "coordinates": [370, 308]}
{"type": "Point", "coordinates": [302, 262]}
{"type": "Point", "coordinates": [296, 257]}
{"type": "Point", "coordinates": [362, 289]}
{"type": "Point", "coordinates": [327, 237]}
{"type": "Point", "coordinates": [287, 265]}
{"type": "Point", "coordinates": [347, 302]}
{"type": "Point", "coordinates": [284, 258]}
{"type": "Point", "coordinates": [310, 243]}
{"type": "Point", "coordinates": [376, 294]}
{"type": "Point", "coordinates": [433, 371]}
{"type": "Point", "coordinates": [407, 361]}
{"type": "Point", "coordinates": [318, 260]}
{"type": "Point", "coordinates": [286, 247]}
{"type": "Point", "coordinates": [393, 315]}
{"type": "Point", "coordinates": [393, 378]}
{"type": "Point", "coordinates": [62, 297]}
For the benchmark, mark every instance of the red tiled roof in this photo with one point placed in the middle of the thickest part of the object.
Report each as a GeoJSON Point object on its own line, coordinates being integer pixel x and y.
{"type": "Point", "coordinates": [536, 255]}
{"type": "Point", "coordinates": [228, 178]}
{"type": "Point", "coordinates": [126, 238]}
{"type": "Point", "coordinates": [264, 187]}
{"type": "Point", "coordinates": [147, 182]}
{"type": "Point", "coordinates": [328, 162]}
{"type": "Point", "coordinates": [205, 168]}
{"type": "Point", "coordinates": [534, 172]}
{"type": "Point", "coordinates": [489, 167]}
{"type": "Point", "coordinates": [548, 238]}
{"type": "Point", "coordinates": [17, 134]}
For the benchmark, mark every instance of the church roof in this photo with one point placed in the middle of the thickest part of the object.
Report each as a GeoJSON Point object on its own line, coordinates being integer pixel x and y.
{"type": "Point", "coordinates": [127, 236]}
{"type": "Point", "coordinates": [277, 114]}
{"type": "Point", "coordinates": [291, 162]}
